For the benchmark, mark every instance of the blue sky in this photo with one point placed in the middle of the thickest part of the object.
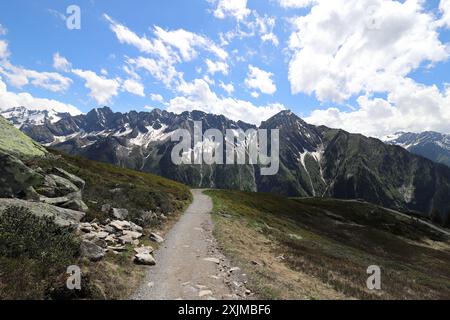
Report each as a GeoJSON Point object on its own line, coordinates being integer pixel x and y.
{"type": "Point", "coordinates": [339, 72]}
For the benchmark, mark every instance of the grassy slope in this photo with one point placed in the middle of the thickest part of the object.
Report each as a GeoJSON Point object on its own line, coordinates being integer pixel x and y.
{"type": "Point", "coordinates": [16, 142]}
{"type": "Point", "coordinates": [320, 249]}
{"type": "Point", "coordinates": [116, 276]}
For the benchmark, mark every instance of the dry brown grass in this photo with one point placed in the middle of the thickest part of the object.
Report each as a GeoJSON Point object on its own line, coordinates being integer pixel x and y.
{"type": "Point", "coordinates": [320, 249]}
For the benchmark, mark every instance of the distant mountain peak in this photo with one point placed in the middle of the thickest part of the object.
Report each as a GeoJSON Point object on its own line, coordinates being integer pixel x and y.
{"type": "Point", "coordinates": [429, 144]}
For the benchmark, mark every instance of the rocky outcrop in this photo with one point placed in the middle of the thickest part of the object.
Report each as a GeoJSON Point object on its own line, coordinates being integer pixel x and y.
{"type": "Point", "coordinates": [91, 251]}
{"type": "Point", "coordinates": [16, 178]}
{"type": "Point", "coordinates": [77, 181]}
{"type": "Point", "coordinates": [63, 217]}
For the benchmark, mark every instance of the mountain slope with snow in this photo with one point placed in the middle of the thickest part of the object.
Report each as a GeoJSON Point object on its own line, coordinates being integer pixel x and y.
{"type": "Point", "coordinates": [315, 161]}
{"type": "Point", "coordinates": [431, 145]}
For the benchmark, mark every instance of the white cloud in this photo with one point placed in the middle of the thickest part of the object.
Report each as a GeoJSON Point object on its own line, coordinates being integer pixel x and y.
{"type": "Point", "coordinates": [410, 107]}
{"type": "Point", "coordinates": [60, 63]}
{"type": "Point", "coordinates": [251, 26]}
{"type": "Point", "coordinates": [228, 88]}
{"type": "Point", "coordinates": [270, 37]}
{"type": "Point", "coordinates": [101, 89]}
{"type": "Point", "coordinates": [4, 53]}
{"type": "Point", "coordinates": [156, 97]}
{"type": "Point", "coordinates": [165, 50]}
{"type": "Point", "coordinates": [265, 26]}
{"type": "Point", "coordinates": [219, 66]}
{"type": "Point", "coordinates": [187, 42]}
{"type": "Point", "coordinates": [231, 8]}
{"type": "Point", "coordinates": [347, 47]}
{"type": "Point", "coordinates": [260, 80]}
{"type": "Point", "coordinates": [197, 95]}
{"type": "Point", "coordinates": [10, 99]}
{"type": "Point", "coordinates": [19, 77]}
{"type": "Point", "coordinates": [134, 87]}
{"type": "Point", "coordinates": [343, 49]}
{"type": "Point", "coordinates": [444, 7]}
{"type": "Point", "coordinates": [296, 4]}
{"type": "Point", "coordinates": [3, 30]}
{"type": "Point", "coordinates": [126, 36]}
{"type": "Point", "coordinates": [159, 69]}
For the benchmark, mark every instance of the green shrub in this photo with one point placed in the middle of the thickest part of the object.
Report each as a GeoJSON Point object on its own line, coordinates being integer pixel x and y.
{"type": "Point", "coordinates": [43, 248]}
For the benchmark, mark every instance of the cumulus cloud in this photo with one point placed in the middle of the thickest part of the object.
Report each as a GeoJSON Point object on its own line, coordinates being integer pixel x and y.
{"type": "Point", "coordinates": [236, 9]}
{"type": "Point", "coordinates": [347, 47]}
{"type": "Point", "coordinates": [214, 67]}
{"type": "Point", "coordinates": [444, 7]}
{"type": "Point", "coordinates": [165, 49]}
{"type": "Point", "coordinates": [159, 69]}
{"type": "Point", "coordinates": [228, 88]}
{"type": "Point", "coordinates": [411, 107]}
{"type": "Point", "coordinates": [134, 87]}
{"type": "Point", "coordinates": [197, 95]}
{"type": "Point", "coordinates": [10, 99]}
{"type": "Point", "coordinates": [101, 89]}
{"type": "Point", "coordinates": [156, 97]}
{"type": "Point", "coordinates": [290, 4]}
{"type": "Point", "coordinates": [60, 63]}
{"type": "Point", "coordinates": [187, 43]}
{"type": "Point", "coordinates": [260, 80]}
{"type": "Point", "coordinates": [19, 77]}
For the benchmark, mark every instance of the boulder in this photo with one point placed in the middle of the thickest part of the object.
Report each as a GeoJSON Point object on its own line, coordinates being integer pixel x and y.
{"type": "Point", "coordinates": [100, 242]}
{"type": "Point", "coordinates": [120, 214]}
{"type": "Point", "coordinates": [85, 227]}
{"type": "Point", "coordinates": [109, 229]}
{"type": "Point", "coordinates": [80, 183]}
{"type": "Point", "coordinates": [126, 239]}
{"type": "Point", "coordinates": [102, 234]}
{"type": "Point", "coordinates": [120, 225]}
{"type": "Point", "coordinates": [117, 248]}
{"type": "Point", "coordinates": [63, 217]}
{"type": "Point", "coordinates": [143, 250]}
{"type": "Point", "coordinates": [15, 177]}
{"type": "Point", "coordinates": [135, 227]}
{"type": "Point", "coordinates": [71, 201]}
{"type": "Point", "coordinates": [145, 259]}
{"type": "Point", "coordinates": [111, 239]}
{"type": "Point", "coordinates": [77, 205]}
{"type": "Point", "coordinates": [133, 234]}
{"type": "Point", "coordinates": [91, 251]}
{"type": "Point", "coordinates": [156, 238]}
{"type": "Point", "coordinates": [106, 208]}
{"type": "Point", "coordinates": [63, 185]}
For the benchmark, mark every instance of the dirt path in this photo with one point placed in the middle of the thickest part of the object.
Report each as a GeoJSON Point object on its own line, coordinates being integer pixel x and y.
{"type": "Point", "coordinates": [189, 264]}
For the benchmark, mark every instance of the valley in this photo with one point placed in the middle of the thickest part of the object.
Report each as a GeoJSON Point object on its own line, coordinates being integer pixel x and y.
{"type": "Point", "coordinates": [315, 161]}
{"type": "Point", "coordinates": [140, 236]}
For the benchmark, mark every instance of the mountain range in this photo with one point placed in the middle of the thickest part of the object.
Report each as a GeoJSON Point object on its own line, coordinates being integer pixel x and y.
{"type": "Point", "coordinates": [432, 145]}
{"type": "Point", "coordinates": [315, 161]}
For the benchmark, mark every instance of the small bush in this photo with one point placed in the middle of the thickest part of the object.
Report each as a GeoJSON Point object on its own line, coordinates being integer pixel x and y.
{"type": "Point", "coordinates": [37, 243]}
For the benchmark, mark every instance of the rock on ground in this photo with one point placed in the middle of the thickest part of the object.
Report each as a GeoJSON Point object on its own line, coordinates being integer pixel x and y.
{"type": "Point", "coordinates": [91, 251]}
{"type": "Point", "coordinates": [145, 259]}
{"type": "Point", "coordinates": [63, 217]}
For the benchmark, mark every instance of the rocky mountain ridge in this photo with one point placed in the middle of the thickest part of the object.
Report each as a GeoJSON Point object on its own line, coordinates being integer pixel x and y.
{"type": "Point", "coordinates": [315, 161]}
